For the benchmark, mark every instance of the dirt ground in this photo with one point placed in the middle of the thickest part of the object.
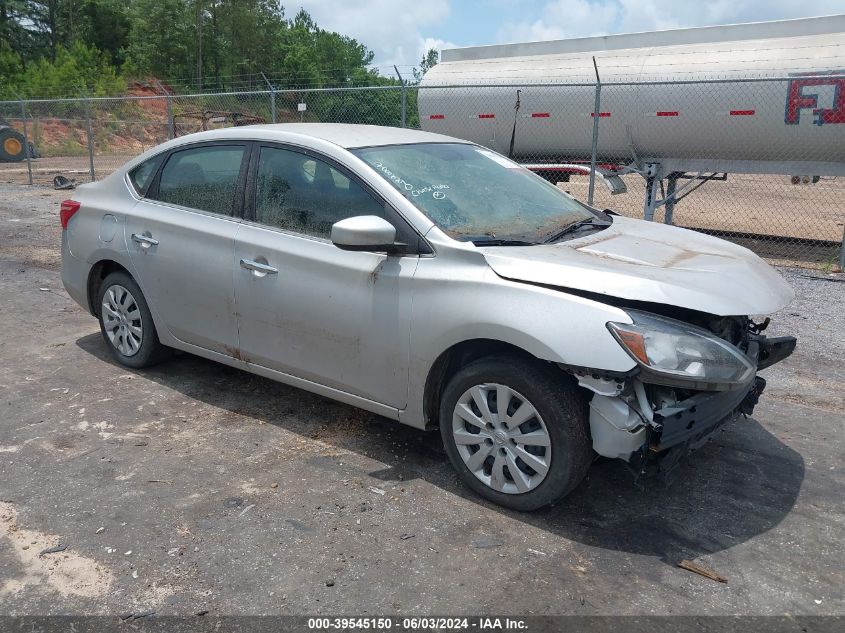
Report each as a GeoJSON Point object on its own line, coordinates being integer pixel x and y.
{"type": "Point", "coordinates": [195, 487]}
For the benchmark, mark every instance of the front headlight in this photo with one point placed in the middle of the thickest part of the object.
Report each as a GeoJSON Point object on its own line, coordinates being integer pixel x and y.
{"type": "Point", "coordinates": [675, 353]}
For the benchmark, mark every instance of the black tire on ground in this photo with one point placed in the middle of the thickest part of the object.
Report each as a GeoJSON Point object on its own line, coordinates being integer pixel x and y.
{"type": "Point", "coordinates": [560, 403]}
{"type": "Point", "coordinates": [12, 145]}
{"type": "Point", "coordinates": [151, 351]}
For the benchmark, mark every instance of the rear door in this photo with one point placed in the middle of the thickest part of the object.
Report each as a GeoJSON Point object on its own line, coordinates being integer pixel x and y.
{"type": "Point", "coordinates": [181, 240]}
{"type": "Point", "coordinates": [307, 308]}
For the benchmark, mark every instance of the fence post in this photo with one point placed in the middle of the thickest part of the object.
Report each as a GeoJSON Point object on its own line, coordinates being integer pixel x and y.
{"type": "Point", "coordinates": [404, 96]}
{"type": "Point", "coordinates": [842, 253]}
{"type": "Point", "coordinates": [272, 98]}
{"type": "Point", "coordinates": [596, 117]}
{"type": "Point", "coordinates": [90, 133]}
{"type": "Point", "coordinates": [404, 104]}
{"type": "Point", "coordinates": [26, 143]}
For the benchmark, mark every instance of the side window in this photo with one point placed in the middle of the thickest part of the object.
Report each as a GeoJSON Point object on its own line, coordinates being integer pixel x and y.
{"type": "Point", "coordinates": [203, 178]}
{"type": "Point", "coordinates": [142, 175]}
{"type": "Point", "coordinates": [299, 193]}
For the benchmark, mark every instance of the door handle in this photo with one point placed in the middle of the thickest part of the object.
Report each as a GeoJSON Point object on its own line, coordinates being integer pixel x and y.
{"type": "Point", "coordinates": [257, 268]}
{"type": "Point", "coordinates": [144, 240]}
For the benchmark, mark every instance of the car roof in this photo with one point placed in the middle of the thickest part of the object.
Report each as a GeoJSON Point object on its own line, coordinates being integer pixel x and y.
{"type": "Point", "coordinates": [346, 135]}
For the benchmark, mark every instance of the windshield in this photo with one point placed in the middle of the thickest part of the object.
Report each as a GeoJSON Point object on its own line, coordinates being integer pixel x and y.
{"type": "Point", "coordinates": [474, 194]}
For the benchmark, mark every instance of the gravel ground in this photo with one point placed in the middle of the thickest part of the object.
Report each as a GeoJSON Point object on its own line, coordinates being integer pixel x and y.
{"type": "Point", "coordinates": [194, 487]}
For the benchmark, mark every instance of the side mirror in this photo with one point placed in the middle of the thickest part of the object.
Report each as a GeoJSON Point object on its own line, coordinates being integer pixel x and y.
{"type": "Point", "coordinates": [365, 233]}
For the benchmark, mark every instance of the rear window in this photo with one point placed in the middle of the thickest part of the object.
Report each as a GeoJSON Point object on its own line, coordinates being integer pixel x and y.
{"type": "Point", "coordinates": [142, 175]}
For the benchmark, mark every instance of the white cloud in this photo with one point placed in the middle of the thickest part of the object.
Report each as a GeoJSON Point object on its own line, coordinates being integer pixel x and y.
{"type": "Point", "coordinates": [561, 19]}
{"type": "Point", "coordinates": [582, 18]}
{"type": "Point", "coordinates": [392, 29]}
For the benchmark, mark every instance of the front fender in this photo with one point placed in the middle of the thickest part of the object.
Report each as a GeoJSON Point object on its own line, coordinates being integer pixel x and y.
{"type": "Point", "coordinates": [451, 307]}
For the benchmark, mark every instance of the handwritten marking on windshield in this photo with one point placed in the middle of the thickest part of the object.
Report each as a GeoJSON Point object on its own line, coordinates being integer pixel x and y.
{"type": "Point", "coordinates": [435, 191]}
{"type": "Point", "coordinates": [400, 182]}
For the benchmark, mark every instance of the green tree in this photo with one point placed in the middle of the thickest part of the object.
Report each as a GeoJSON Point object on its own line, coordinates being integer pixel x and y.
{"type": "Point", "coordinates": [160, 38]}
{"type": "Point", "coordinates": [429, 60]}
{"type": "Point", "coordinates": [77, 70]}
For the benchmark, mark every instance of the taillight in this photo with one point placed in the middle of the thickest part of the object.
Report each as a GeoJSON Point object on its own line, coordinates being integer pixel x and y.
{"type": "Point", "coordinates": [69, 207]}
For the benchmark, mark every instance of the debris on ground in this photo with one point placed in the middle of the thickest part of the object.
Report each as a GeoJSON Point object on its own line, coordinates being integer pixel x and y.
{"type": "Point", "coordinates": [378, 491]}
{"type": "Point", "coordinates": [53, 550]}
{"type": "Point", "coordinates": [701, 570]}
{"type": "Point", "coordinates": [246, 509]}
{"type": "Point", "coordinates": [405, 537]}
{"type": "Point", "coordinates": [61, 182]}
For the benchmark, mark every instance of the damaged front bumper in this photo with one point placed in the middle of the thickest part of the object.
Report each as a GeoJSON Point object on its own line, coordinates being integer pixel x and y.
{"type": "Point", "coordinates": [652, 427]}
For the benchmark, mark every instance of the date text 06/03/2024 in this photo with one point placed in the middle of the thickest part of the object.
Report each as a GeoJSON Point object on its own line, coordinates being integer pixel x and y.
{"type": "Point", "coordinates": [418, 623]}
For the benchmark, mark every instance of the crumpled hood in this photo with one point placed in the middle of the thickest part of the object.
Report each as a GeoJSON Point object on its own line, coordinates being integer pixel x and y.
{"type": "Point", "coordinates": [646, 261]}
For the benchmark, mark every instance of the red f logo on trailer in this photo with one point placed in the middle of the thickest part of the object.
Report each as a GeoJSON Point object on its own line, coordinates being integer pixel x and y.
{"type": "Point", "coordinates": [799, 96]}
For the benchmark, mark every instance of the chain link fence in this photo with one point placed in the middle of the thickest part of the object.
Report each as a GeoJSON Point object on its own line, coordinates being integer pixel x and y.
{"type": "Point", "coordinates": [758, 161]}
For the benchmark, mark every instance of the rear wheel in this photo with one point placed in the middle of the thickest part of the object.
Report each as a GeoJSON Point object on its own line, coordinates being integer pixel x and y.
{"type": "Point", "coordinates": [516, 431]}
{"type": "Point", "coordinates": [126, 323]}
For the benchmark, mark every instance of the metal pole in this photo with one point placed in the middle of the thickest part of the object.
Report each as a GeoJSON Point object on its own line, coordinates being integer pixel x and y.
{"type": "Point", "coordinates": [404, 97]}
{"type": "Point", "coordinates": [671, 186]}
{"type": "Point", "coordinates": [651, 184]}
{"type": "Point", "coordinates": [842, 253]}
{"type": "Point", "coordinates": [404, 105]}
{"type": "Point", "coordinates": [272, 98]}
{"type": "Point", "coordinates": [596, 117]}
{"type": "Point", "coordinates": [90, 134]}
{"type": "Point", "coordinates": [26, 143]}
{"type": "Point", "coordinates": [171, 125]}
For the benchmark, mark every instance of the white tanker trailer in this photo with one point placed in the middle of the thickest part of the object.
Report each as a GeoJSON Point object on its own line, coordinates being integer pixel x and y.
{"type": "Point", "coordinates": [774, 102]}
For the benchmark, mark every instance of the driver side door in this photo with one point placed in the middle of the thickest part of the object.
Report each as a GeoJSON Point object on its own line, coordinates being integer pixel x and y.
{"type": "Point", "coordinates": [336, 318]}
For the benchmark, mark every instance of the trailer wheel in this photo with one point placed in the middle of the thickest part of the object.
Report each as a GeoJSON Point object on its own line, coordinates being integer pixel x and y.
{"type": "Point", "coordinates": [12, 145]}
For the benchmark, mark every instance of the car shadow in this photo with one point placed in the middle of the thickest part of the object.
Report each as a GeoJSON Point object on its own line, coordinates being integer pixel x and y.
{"type": "Point", "coordinates": [741, 484]}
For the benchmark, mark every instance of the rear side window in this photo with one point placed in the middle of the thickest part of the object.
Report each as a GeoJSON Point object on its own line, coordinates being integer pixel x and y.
{"type": "Point", "coordinates": [203, 178]}
{"type": "Point", "coordinates": [142, 175]}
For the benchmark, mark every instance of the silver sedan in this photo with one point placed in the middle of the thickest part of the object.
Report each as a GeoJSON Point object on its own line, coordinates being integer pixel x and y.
{"type": "Point", "coordinates": [432, 281]}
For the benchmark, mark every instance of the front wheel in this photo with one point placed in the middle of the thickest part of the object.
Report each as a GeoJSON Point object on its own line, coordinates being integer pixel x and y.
{"type": "Point", "coordinates": [126, 323]}
{"type": "Point", "coordinates": [516, 431]}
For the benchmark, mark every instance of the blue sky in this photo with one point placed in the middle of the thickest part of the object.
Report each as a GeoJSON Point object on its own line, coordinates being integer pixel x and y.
{"type": "Point", "coordinates": [399, 31]}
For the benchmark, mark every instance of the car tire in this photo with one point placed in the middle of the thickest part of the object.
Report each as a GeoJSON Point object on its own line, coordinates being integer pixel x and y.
{"type": "Point", "coordinates": [127, 324]}
{"type": "Point", "coordinates": [560, 413]}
